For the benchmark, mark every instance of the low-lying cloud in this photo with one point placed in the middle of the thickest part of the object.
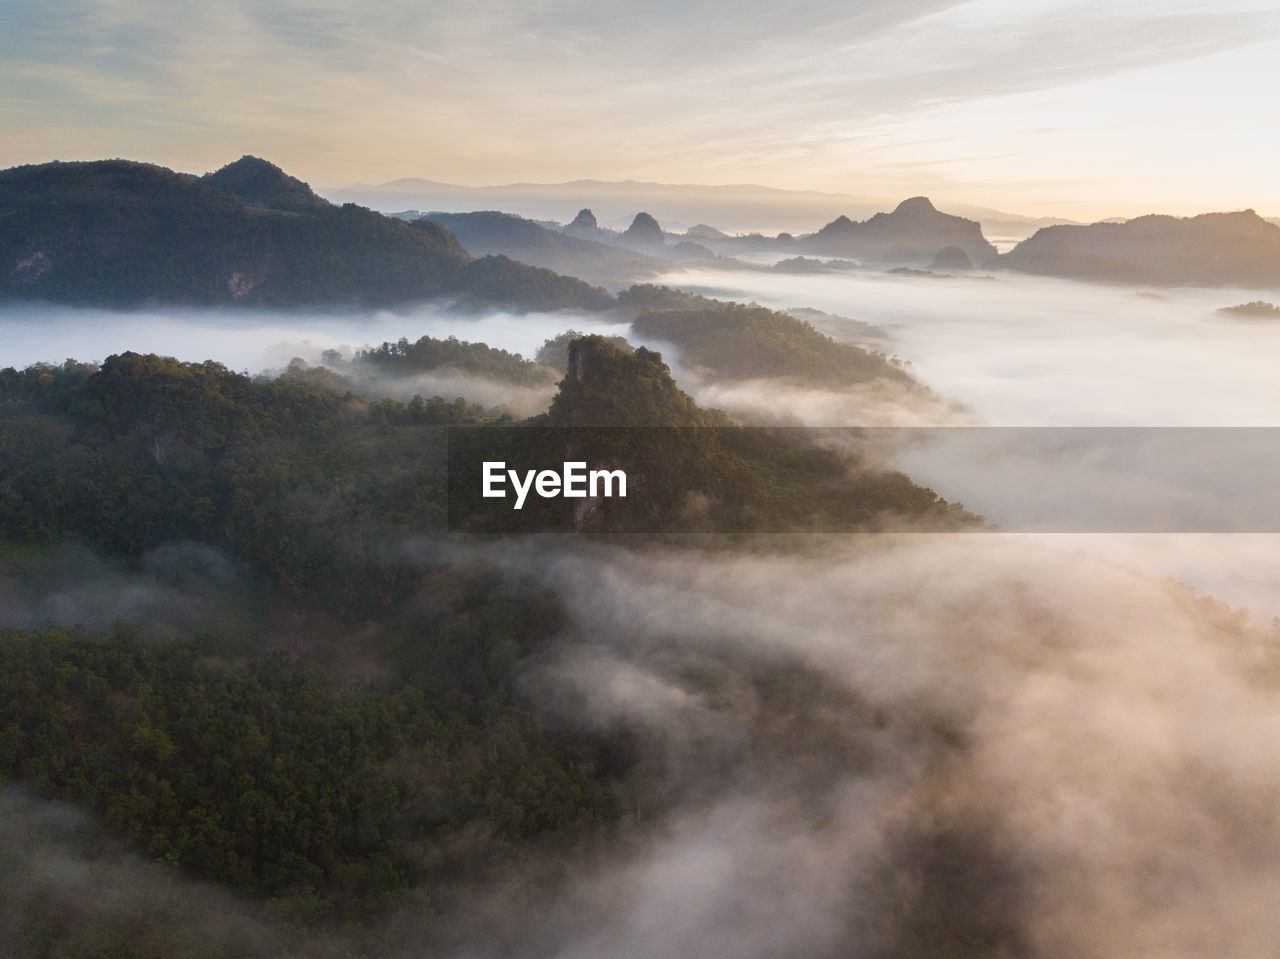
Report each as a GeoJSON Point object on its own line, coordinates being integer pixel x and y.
{"type": "Point", "coordinates": [254, 340]}
{"type": "Point", "coordinates": [1030, 351]}
{"type": "Point", "coordinates": [950, 745]}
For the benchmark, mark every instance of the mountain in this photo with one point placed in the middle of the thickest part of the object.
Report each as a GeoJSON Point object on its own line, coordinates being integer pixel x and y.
{"type": "Point", "coordinates": [736, 208]}
{"type": "Point", "coordinates": [688, 469]}
{"type": "Point", "coordinates": [736, 342]}
{"type": "Point", "coordinates": [643, 234]}
{"type": "Point", "coordinates": [739, 207]}
{"type": "Point", "coordinates": [914, 232]}
{"type": "Point", "coordinates": [1212, 249]}
{"type": "Point", "coordinates": [701, 231]}
{"type": "Point", "coordinates": [585, 227]}
{"type": "Point", "coordinates": [600, 263]}
{"type": "Point", "coordinates": [121, 234]}
{"type": "Point", "coordinates": [257, 183]}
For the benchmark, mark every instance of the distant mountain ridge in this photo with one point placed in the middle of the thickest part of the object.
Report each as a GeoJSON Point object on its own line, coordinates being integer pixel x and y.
{"type": "Point", "coordinates": [736, 208]}
{"type": "Point", "coordinates": [122, 234]}
{"type": "Point", "coordinates": [581, 249]}
{"type": "Point", "coordinates": [915, 231]}
{"type": "Point", "coordinates": [1239, 248]}
{"type": "Point", "coordinates": [597, 261]}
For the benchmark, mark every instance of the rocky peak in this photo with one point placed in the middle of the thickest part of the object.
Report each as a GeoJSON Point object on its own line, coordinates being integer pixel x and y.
{"type": "Point", "coordinates": [606, 386]}
{"type": "Point", "coordinates": [584, 227]}
{"type": "Point", "coordinates": [644, 231]}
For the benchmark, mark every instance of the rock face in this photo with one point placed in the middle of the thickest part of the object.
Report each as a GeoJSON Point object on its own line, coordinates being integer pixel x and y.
{"type": "Point", "coordinates": [644, 234]}
{"type": "Point", "coordinates": [914, 232]}
{"type": "Point", "coordinates": [606, 386]}
{"type": "Point", "coordinates": [1211, 249]}
{"type": "Point", "coordinates": [584, 226]}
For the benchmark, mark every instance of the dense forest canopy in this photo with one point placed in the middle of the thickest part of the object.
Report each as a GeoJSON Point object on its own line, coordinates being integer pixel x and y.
{"type": "Point", "coordinates": [242, 756]}
{"type": "Point", "coordinates": [428, 354]}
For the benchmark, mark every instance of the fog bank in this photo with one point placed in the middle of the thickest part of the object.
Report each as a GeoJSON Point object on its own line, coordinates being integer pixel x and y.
{"type": "Point", "coordinates": [253, 340]}
{"type": "Point", "coordinates": [961, 746]}
{"type": "Point", "coordinates": [1029, 351]}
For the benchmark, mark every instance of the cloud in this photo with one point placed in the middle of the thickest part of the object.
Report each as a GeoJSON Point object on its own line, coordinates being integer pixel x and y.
{"type": "Point", "coordinates": [786, 93]}
{"type": "Point", "coordinates": [920, 742]}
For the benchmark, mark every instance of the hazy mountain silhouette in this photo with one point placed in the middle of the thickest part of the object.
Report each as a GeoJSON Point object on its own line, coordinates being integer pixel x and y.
{"type": "Point", "coordinates": [585, 227]}
{"type": "Point", "coordinates": [701, 231]}
{"type": "Point", "coordinates": [1211, 249]}
{"type": "Point", "coordinates": [601, 263]}
{"type": "Point", "coordinates": [644, 234]}
{"type": "Point", "coordinates": [914, 232]}
{"type": "Point", "coordinates": [732, 208]}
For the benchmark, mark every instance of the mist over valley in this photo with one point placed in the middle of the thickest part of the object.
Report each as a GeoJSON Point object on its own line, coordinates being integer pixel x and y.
{"type": "Point", "coordinates": [275, 684]}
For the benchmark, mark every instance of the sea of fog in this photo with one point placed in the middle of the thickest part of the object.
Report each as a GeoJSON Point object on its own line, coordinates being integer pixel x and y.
{"type": "Point", "coordinates": [1032, 735]}
{"type": "Point", "coordinates": [1010, 350]}
{"type": "Point", "coordinates": [256, 340]}
{"type": "Point", "coordinates": [1030, 351]}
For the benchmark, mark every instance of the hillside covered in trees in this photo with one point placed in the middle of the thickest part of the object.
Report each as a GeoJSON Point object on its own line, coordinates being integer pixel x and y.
{"type": "Point", "coordinates": [240, 754]}
{"type": "Point", "coordinates": [120, 234]}
{"type": "Point", "coordinates": [733, 341]}
{"type": "Point", "coordinates": [428, 354]}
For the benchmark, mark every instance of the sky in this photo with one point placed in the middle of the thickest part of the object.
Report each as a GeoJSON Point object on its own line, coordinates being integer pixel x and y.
{"type": "Point", "coordinates": [1042, 107]}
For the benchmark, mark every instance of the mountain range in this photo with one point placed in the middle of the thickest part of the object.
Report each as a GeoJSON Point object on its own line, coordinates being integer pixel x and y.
{"type": "Point", "coordinates": [914, 232]}
{"type": "Point", "coordinates": [739, 208]}
{"type": "Point", "coordinates": [1239, 248]}
{"type": "Point", "coordinates": [597, 261]}
{"type": "Point", "coordinates": [121, 234]}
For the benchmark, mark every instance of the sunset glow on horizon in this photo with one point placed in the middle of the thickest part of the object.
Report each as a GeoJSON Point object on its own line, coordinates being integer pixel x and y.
{"type": "Point", "coordinates": [1049, 108]}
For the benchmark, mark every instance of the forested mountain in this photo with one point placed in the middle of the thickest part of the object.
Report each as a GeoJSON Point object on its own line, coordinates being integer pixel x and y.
{"type": "Point", "coordinates": [121, 234]}
{"type": "Point", "coordinates": [147, 450]}
{"type": "Point", "coordinates": [253, 768]}
{"type": "Point", "coordinates": [555, 351]}
{"type": "Point", "coordinates": [1211, 249]}
{"type": "Point", "coordinates": [733, 341]}
{"type": "Point", "coordinates": [241, 756]}
{"type": "Point", "coordinates": [429, 354]}
{"type": "Point", "coordinates": [196, 452]}
{"type": "Point", "coordinates": [688, 469]}
{"type": "Point", "coordinates": [257, 183]}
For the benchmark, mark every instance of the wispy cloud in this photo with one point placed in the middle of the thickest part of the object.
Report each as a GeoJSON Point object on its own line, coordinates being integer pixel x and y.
{"type": "Point", "coordinates": [498, 90]}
